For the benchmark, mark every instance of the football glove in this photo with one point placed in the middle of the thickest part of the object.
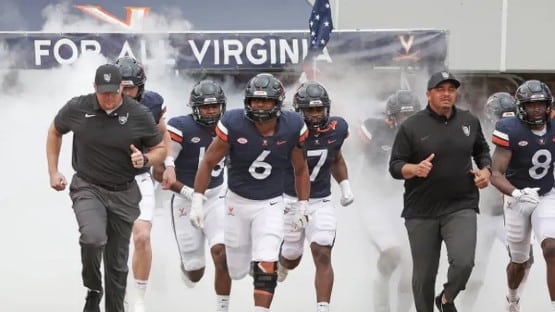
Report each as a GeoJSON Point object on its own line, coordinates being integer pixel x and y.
{"type": "Point", "coordinates": [197, 214]}
{"type": "Point", "coordinates": [527, 200]}
{"type": "Point", "coordinates": [300, 218]}
{"type": "Point", "coordinates": [186, 192]}
{"type": "Point", "coordinates": [347, 196]}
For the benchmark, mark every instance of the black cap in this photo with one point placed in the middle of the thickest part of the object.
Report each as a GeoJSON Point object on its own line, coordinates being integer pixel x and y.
{"type": "Point", "coordinates": [107, 79]}
{"type": "Point", "coordinates": [440, 77]}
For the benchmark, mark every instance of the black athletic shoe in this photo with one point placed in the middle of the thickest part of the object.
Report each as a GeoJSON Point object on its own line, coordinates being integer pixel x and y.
{"type": "Point", "coordinates": [444, 307]}
{"type": "Point", "coordinates": [93, 301]}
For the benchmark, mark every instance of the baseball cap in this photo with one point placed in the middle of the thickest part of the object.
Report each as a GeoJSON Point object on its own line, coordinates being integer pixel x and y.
{"type": "Point", "coordinates": [107, 79]}
{"type": "Point", "coordinates": [440, 77]}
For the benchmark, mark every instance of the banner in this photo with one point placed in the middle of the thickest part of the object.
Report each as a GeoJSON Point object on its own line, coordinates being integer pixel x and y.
{"type": "Point", "coordinates": [227, 52]}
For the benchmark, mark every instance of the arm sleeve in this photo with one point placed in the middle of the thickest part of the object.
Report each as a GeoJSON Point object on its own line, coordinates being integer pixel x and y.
{"type": "Point", "coordinates": [400, 153]}
{"type": "Point", "coordinates": [62, 119]}
{"type": "Point", "coordinates": [481, 152]}
{"type": "Point", "coordinates": [151, 135]}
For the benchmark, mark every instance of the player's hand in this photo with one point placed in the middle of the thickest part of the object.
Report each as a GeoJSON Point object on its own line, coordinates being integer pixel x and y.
{"type": "Point", "coordinates": [197, 214]}
{"type": "Point", "coordinates": [300, 219]}
{"type": "Point", "coordinates": [424, 167]}
{"type": "Point", "coordinates": [347, 196]}
{"type": "Point", "coordinates": [187, 192]}
{"type": "Point", "coordinates": [137, 158]}
{"type": "Point", "coordinates": [481, 177]}
{"type": "Point", "coordinates": [527, 200]}
{"type": "Point", "coordinates": [58, 181]}
{"type": "Point", "coordinates": [168, 178]}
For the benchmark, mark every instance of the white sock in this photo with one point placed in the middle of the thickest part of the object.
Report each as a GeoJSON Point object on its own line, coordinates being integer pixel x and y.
{"type": "Point", "coordinates": [140, 286]}
{"type": "Point", "coordinates": [261, 309]}
{"type": "Point", "coordinates": [552, 305]}
{"type": "Point", "coordinates": [222, 303]}
{"type": "Point", "coordinates": [323, 307]}
{"type": "Point", "coordinates": [513, 295]}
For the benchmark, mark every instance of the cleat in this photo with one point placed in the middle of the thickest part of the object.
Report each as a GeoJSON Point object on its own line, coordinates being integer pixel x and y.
{"type": "Point", "coordinates": [185, 277]}
{"type": "Point", "coordinates": [92, 301]}
{"type": "Point", "coordinates": [281, 273]}
{"type": "Point", "coordinates": [513, 306]}
{"type": "Point", "coordinates": [444, 307]}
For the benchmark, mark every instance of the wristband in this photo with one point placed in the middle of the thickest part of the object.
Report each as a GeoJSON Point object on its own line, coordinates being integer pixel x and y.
{"type": "Point", "coordinates": [345, 187]}
{"type": "Point", "coordinates": [516, 193]}
{"type": "Point", "coordinates": [169, 162]}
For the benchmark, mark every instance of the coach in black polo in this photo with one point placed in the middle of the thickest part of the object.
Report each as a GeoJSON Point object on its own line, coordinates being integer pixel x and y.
{"type": "Point", "coordinates": [109, 133]}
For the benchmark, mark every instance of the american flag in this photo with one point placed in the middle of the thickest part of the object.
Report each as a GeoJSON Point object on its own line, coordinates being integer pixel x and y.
{"type": "Point", "coordinates": [321, 25]}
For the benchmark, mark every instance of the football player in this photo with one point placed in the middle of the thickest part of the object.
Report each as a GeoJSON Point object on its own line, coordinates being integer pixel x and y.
{"type": "Point", "coordinates": [261, 141]}
{"type": "Point", "coordinates": [523, 171]}
{"type": "Point", "coordinates": [191, 135]}
{"type": "Point", "coordinates": [133, 81]}
{"type": "Point", "coordinates": [325, 159]}
{"type": "Point", "coordinates": [382, 220]}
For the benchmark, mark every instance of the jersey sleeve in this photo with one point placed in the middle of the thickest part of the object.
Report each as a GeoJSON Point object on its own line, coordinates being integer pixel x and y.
{"type": "Point", "coordinates": [176, 134]}
{"type": "Point", "coordinates": [221, 130]}
{"type": "Point", "coordinates": [303, 134]}
{"type": "Point", "coordinates": [500, 135]}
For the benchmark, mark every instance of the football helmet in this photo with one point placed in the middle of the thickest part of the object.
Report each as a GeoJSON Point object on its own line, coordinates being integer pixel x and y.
{"type": "Point", "coordinates": [400, 105]}
{"type": "Point", "coordinates": [206, 92]}
{"type": "Point", "coordinates": [312, 94]}
{"type": "Point", "coordinates": [499, 105]}
{"type": "Point", "coordinates": [533, 91]}
{"type": "Point", "coordinates": [132, 74]}
{"type": "Point", "coordinates": [264, 86]}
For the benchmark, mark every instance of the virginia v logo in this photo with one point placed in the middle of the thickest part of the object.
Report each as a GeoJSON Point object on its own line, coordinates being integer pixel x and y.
{"type": "Point", "coordinates": [134, 19]}
{"type": "Point", "coordinates": [406, 43]}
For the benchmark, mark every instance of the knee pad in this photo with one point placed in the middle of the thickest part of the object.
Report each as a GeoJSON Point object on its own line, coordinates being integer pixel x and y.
{"type": "Point", "coordinates": [265, 276]}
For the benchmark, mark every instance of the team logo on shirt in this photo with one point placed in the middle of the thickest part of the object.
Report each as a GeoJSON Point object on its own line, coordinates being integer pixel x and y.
{"type": "Point", "coordinates": [195, 139]}
{"type": "Point", "coordinates": [466, 130]}
{"type": "Point", "coordinates": [123, 119]}
{"type": "Point", "coordinates": [522, 143]}
{"type": "Point", "coordinates": [230, 211]}
{"type": "Point", "coordinates": [242, 140]}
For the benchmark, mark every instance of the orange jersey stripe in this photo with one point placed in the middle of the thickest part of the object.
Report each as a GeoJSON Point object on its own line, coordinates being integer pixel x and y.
{"type": "Point", "coordinates": [175, 137]}
{"type": "Point", "coordinates": [499, 141]}
{"type": "Point", "coordinates": [221, 134]}
{"type": "Point", "coordinates": [303, 136]}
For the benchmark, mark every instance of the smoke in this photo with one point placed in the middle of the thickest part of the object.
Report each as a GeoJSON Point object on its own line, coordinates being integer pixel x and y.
{"type": "Point", "coordinates": [41, 262]}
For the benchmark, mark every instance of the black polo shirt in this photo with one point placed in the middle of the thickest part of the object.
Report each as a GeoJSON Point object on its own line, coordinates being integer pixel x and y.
{"type": "Point", "coordinates": [101, 141]}
{"type": "Point", "coordinates": [455, 142]}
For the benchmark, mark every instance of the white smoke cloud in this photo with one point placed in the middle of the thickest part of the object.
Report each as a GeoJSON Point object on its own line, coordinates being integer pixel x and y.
{"type": "Point", "coordinates": [39, 236]}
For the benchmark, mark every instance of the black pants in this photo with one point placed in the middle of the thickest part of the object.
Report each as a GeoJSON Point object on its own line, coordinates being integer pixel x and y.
{"type": "Point", "coordinates": [105, 221]}
{"type": "Point", "coordinates": [458, 231]}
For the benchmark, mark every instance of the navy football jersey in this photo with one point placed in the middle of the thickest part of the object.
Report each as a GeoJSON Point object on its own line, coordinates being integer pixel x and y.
{"type": "Point", "coordinates": [531, 162]}
{"type": "Point", "coordinates": [321, 150]}
{"type": "Point", "coordinates": [155, 103]}
{"type": "Point", "coordinates": [377, 138]}
{"type": "Point", "coordinates": [256, 163]}
{"type": "Point", "coordinates": [194, 140]}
